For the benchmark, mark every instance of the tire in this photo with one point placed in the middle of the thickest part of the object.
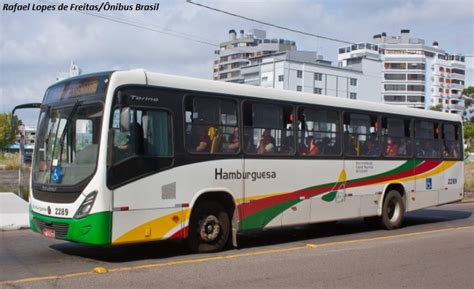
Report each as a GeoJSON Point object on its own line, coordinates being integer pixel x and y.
{"type": "Point", "coordinates": [209, 228]}
{"type": "Point", "coordinates": [392, 210]}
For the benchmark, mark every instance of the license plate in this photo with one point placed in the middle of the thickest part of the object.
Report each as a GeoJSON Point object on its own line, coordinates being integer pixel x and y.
{"type": "Point", "coordinates": [48, 233]}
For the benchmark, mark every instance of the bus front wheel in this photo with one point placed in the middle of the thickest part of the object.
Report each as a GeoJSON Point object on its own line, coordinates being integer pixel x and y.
{"type": "Point", "coordinates": [392, 210]}
{"type": "Point", "coordinates": [209, 227]}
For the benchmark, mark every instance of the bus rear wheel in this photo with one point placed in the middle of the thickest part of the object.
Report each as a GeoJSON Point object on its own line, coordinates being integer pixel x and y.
{"type": "Point", "coordinates": [209, 227]}
{"type": "Point", "coordinates": [392, 210]}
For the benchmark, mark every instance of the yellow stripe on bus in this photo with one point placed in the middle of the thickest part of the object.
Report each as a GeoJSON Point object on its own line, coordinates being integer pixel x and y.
{"type": "Point", "coordinates": [155, 229]}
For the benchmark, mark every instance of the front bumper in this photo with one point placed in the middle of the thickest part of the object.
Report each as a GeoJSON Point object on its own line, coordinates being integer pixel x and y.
{"type": "Point", "coordinates": [95, 229]}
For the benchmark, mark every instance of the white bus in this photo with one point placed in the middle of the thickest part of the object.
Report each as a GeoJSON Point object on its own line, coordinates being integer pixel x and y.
{"type": "Point", "coordinates": [132, 156]}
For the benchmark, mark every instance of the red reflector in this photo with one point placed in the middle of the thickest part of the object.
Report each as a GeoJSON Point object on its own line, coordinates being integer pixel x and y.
{"type": "Point", "coordinates": [123, 208]}
{"type": "Point", "coordinates": [185, 205]}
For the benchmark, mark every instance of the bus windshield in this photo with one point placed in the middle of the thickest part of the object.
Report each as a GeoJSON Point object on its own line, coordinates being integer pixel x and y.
{"type": "Point", "coordinates": [67, 144]}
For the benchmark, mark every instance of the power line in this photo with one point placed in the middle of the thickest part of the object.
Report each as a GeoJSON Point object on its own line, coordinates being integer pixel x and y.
{"type": "Point", "coordinates": [174, 34]}
{"type": "Point", "coordinates": [270, 24]}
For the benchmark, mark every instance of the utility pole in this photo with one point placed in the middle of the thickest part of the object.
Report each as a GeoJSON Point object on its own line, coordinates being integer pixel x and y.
{"type": "Point", "coordinates": [22, 162]}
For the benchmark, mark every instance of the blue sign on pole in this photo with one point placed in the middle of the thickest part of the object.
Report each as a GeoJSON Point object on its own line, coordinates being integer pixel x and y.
{"type": "Point", "coordinates": [57, 177]}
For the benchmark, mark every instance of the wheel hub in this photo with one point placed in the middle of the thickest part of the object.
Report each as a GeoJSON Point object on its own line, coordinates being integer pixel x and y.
{"type": "Point", "coordinates": [210, 228]}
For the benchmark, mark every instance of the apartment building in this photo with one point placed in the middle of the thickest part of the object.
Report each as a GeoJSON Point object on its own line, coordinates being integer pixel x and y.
{"type": "Point", "coordinates": [235, 53]}
{"type": "Point", "coordinates": [308, 72]}
{"type": "Point", "coordinates": [413, 73]}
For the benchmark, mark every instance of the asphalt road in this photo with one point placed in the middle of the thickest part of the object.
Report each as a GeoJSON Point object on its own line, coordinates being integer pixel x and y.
{"type": "Point", "coordinates": [435, 249]}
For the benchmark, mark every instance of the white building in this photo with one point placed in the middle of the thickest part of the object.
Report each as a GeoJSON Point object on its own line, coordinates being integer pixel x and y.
{"type": "Point", "coordinates": [413, 73]}
{"type": "Point", "coordinates": [235, 53]}
{"type": "Point", "coordinates": [308, 72]}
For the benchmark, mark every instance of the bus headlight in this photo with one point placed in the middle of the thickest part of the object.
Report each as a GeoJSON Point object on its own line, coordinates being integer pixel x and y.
{"type": "Point", "coordinates": [86, 206]}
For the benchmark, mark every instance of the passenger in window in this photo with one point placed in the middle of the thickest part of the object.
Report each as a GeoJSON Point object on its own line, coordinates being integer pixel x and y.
{"type": "Point", "coordinates": [455, 151]}
{"type": "Point", "coordinates": [325, 147]}
{"type": "Point", "coordinates": [312, 148]}
{"type": "Point", "coordinates": [391, 148]}
{"type": "Point", "coordinates": [233, 145]}
{"type": "Point", "coordinates": [203, 141]}
{"type": "Point", "coordinates": [371, 147]}
{"type": "Point", "coordinates": [286, 145]}
{"type": "Point", "coordinates": [402, 148]}
{"type": "Point", "coordinates": [267, 143]}
{"type": "Point", "coordinates": [446, 149]}
{"type": "Point", "coordinates": [427, 149]}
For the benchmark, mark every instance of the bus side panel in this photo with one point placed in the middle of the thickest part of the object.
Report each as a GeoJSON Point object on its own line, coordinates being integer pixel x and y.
{"type": "Point", "coordinates": [162, 203]}
{"type": "Point", "coordinates": [453, 183]}
{"type": "Point", "coordinates": [428, 184]}
{"type": "Point", "coordinates": [329, 205]}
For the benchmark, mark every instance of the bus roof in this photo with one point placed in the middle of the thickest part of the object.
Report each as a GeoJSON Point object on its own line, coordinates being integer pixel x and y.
{"type": "Point", "coordinates": [220, 87]}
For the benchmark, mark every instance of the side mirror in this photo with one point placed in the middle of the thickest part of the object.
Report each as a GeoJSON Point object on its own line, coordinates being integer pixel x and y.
{"type": "Point", "coordinates": [125, 119]}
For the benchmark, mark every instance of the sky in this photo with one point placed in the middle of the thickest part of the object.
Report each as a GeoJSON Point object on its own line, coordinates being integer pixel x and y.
{"type": "Point", "coordinates": [35, 46]}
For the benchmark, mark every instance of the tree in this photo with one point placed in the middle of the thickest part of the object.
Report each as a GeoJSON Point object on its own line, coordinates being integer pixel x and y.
{"type": "Point", "coordinates": [468, 96]}
{"type": "Point", "coordinates": [436, 107]}
{"type": "Point", "coordinates": [7, 136]}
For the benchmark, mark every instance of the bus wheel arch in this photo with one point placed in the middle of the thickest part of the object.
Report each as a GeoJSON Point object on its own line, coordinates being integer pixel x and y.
{"type": "Point", "coordinates": [212, 209]}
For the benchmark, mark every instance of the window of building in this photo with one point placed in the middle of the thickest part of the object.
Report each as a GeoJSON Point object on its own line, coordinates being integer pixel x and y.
{"type": "Point", "coordinates": [392, 76]}
{"type": "Point", "coordinates": [415, 87]}
{"type": "Point", "coordinates": [353, 82]}
{"type": "Point", "coordinates": [318, 90]}
{"type": "Point", "coordinates": [361, 135]}
{"type": "Point", "coordinates": [418, 66]}
{"type": "Point", "coordinates": [318, 132]}
{"type": "Point", "coordinates": [353, 95]}
{"type": "Point", "coordinates": [417, 77]}
{"type": "Point", "coordinates": [281, 78]}
{"type": "Point", "coordinates": [299, 74]}
{"type": "Point", "coordinates": [401, 65]}
{"type": "Point", "coordinates": [395, 98]}
{"type": "Point", "coordinates": [458, 71]}
{"type": "Point", "coordinates": [264, 78]}
{"type": "Point", "coordinates": [318, 76]}
{"type": "Point", "coordinates": [395, 87]}
{"type": "Point", "coordinates": [211, 125]}
{"type": "Point", "coordinates": [268, 128]}
{"type": "Point", "coordinates": [415, 98]}
{"type": "Point", "coordinates": [396, 137]}
{"type": "Point", "coordinates": [427, 139]}
{"type": "Point", "coordinates": [299, 88]}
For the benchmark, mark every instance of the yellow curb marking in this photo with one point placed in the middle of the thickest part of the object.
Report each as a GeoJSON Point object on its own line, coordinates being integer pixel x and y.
{"type": "Point", "coordinates": [224, 257]}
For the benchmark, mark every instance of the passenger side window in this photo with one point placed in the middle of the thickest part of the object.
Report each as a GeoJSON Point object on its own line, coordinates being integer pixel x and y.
{"type": "Point", "coordinates": [268, 128]}
{"type": "Point", "coordinates": [149, 134]}
{"type": "Point", "coordinates": [361, 135]}
{"type": "Point", "coordinates": [318, 132]}
{"type": "Point", "coordinates": [452, 145]}
{"type": "Point", "coordinates": [396, 137]}
{"type": "Point", "coordinates": [427, 139]}
{"type": "Point", "coordinates": [211, 125]}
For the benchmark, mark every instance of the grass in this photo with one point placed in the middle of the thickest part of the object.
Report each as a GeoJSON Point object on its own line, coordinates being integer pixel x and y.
{"type": "Point", "coordinates": [11, 161]}
{"type": "Point", "coordinates": [469, 176]}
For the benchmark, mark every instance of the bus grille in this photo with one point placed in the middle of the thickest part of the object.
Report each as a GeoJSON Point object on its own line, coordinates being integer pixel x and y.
{"type": "Point", "coordinates": [60, 229]}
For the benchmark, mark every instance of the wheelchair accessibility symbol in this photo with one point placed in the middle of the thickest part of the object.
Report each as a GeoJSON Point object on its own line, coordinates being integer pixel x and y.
{"type": "Point", "coordinates": [429, 184]}
{"type": "Point", "coordinates": [56, 175]}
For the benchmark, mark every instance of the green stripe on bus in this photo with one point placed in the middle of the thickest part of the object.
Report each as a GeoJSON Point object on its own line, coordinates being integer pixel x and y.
{"type": "Point", "coordinates": [94, 229]}
{"type": "Point", "coordinates": [263, 217]}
